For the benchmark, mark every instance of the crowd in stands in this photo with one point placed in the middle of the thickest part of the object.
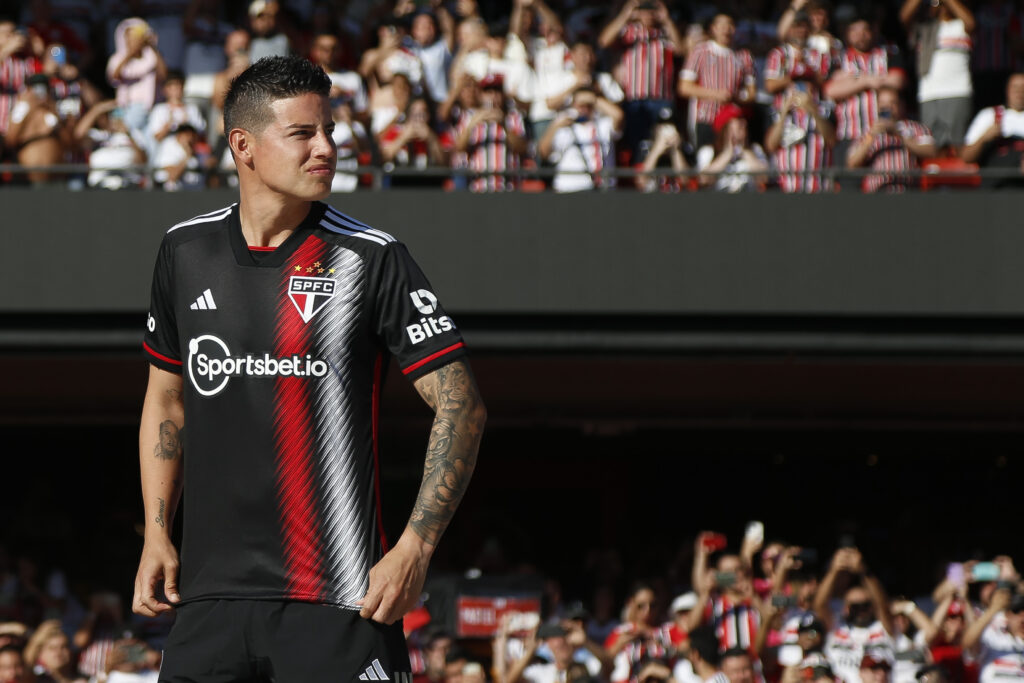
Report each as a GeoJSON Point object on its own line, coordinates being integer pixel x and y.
{"type": "Point", "coordinates": [765, 612]}
{"type": "Point", "coordinates": [799, 95]}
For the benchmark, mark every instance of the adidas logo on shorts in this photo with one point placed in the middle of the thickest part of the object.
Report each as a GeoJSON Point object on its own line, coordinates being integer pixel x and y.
{"type": "Point", "coordinates": [375, 672]}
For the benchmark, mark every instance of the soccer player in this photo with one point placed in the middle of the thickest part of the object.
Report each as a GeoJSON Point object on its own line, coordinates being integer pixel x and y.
{"type": "Point", "coordinates": [270, 325]}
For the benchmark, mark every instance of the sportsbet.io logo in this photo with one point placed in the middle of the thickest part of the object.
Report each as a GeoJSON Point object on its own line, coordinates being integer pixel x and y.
{"type": "Point", "coordinates": [211, 365]}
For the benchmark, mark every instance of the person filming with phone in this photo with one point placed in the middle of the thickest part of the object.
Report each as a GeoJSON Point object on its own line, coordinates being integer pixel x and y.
{"type": "Point", "coordinates": [893, 143]}
{"type": "Point", "coordinates": [725, 594]}
{"type": "Point", "coordinates": [997, 637]}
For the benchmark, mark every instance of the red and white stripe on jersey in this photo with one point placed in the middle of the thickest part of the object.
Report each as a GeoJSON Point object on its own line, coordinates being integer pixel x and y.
{"type": "Point", "coordinates": [648, 63]}
{"type": "Point", "coordinates": [808, 153]}
{"type": "Point", "coordinates": [888, 153]}
{"type": "Point", "coordinates": [489, 150]}
{"type": "Point", "coordinates": [717, 67]}
{"type": "Point", "coordinates": [856, 114]}
{"type": "Point", "coordinates": [14, 71]}
{"type": "Point", "coordinates": [787, 61]}
{"type": "Point", "coordinates": [735, 623]}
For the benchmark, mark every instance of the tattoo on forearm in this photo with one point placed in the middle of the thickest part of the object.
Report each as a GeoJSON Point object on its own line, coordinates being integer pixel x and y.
{"type": "Point", "coordinates": [174, 393]}
{"type": "Point", "coordinates": [160, 513]}
{"type": "Point", "coordinates": [451, 450]}
{"type": "Point", "coordinates": [168, 446]}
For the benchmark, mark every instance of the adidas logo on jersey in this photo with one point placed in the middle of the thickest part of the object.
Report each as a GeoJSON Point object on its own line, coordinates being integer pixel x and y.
{"type": "Point", "coordinates": [375, 672]}
{"type": "Point", "coordinates": [204, 302]}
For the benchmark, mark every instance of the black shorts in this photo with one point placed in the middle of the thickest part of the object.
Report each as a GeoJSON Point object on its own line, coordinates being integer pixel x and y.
{"type": "Point", "coordinates": [236, 641]}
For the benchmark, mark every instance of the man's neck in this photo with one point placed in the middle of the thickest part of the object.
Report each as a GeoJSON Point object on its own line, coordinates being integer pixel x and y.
{"type": "Point", "coordinates": [705, 670]}
{"type": "Point", "coordinates": [267, 221]}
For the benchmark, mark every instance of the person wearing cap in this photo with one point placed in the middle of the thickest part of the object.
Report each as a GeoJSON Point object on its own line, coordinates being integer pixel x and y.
{"type": "Point", "coordinates": [951, 618]}
{"type": "Point", "coordinates": [733, 163]}
{"type": "Point", "coordinates": [996, 638]}
{"type": "Point", "coordinates": [267, 38]}
{"type": "Point", "coordinates": [680, 610]}
{"type": "Point", "coordinates": [563, 643]}
{"type": "Point", "coordinates": [716, 75]}
{"type": "Point", "coordinates": [876, 665]}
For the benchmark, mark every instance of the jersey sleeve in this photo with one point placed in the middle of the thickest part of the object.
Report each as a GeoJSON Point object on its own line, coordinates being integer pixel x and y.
{"type": "Point", "coordinates": [410, 320]}
{"type": "Point", "coordinates": [160, 342]}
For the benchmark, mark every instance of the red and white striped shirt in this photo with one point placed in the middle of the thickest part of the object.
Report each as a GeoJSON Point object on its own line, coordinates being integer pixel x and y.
{"type": "Point", "coordinates": [647, 70]}
{"type": "Point", "coordinates": [717, 67]}
{"type": "Point", "coordinates": [489, 151]}
{"type": "Point", "coordinates": [802, 148]}
{"type": "Point", "coordinates": [889, 153]}
{"type": "Point", "coordinates": [14, 71]}
{"type": "Point", "coordinates": [789, 61]}
{"type": "Point", "coordinates": [855, 114]}
{"type": "Point", "coordinates": [735, 623]}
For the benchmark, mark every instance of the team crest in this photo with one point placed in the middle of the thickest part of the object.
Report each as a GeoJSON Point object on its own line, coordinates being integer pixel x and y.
{"type": "Point", "coordinates": [310, 294]}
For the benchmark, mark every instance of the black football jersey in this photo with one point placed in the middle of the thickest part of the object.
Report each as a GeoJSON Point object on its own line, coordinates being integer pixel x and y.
{"type": "Point", "coordinates": [282, 355]}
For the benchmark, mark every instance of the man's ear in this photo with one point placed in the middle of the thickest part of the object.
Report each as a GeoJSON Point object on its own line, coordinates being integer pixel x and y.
{"type": "Point", "coordinates": [240, 141]}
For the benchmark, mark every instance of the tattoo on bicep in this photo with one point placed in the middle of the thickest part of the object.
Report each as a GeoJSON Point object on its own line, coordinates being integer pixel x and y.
{"type": "Point", "coordinates": [160, 513]}
{"type": "Point", "coordinates": [168, 446]}
{"type": "Point", "coordinates": [451, 451]}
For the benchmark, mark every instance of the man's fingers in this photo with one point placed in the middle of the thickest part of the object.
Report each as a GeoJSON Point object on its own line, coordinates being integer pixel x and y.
{"type": "Point", "coordinates": [370, 601]}
{"type": "Point", "coordinates": [171, 582]}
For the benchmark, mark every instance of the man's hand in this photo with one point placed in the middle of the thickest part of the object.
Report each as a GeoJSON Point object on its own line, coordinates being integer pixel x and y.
{"type": "Point", "coordinates": [159, 564]}
{"type": "Point", "coordinates": [396, 582]}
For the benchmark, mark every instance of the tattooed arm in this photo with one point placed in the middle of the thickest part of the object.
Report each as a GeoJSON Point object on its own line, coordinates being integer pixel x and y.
{"type": "Point", "coordinates": [459, 415]}
{"type": "Point", "coordinates": [160, 461]}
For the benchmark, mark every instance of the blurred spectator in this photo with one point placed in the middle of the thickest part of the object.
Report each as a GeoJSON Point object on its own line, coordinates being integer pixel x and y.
{"type": "Point", "coordinates": [912, 629]}
{"type": "Point", "coordinates": [19, 58]}
{"type": "Point", "coordinates": [795, 62]}
{"type": "Point", "coordinates": [995, 138]}
{"type": "Point", "coordinates": [704, 655]}
{"type": "Point", "coordinates": [664, 148]}
{"type": "Point", "coordinates": [345, 85]}
{"type": "Point", "coordinates": [801, 140]}
{"type": "Point", "coordinates": [177, 164]}
{"type": "Point", "coordinates": [580, 142]}
{"type": "Point", "coordinates": [166, 20]}
{"type": "Point", "coordinates": [812, 669]}
{"type": "Point", "coordinates": [998, 48]}
{"type": "Point", "coordinates": [267, 38]}
{"type": "Point", "coordinates": [997, 637]}
{"type": "Point", "coordinates": [98, 631]}
{"type": "Point", "coordinates": [952, 616]}
{"type": "Point", "coordinates": [351, 140]}
{"type": "Point", "coordinates": [410, 142]}
{"type": "Point", "coordinates": [603, 619]}
{"type": "Point", "coordinates": [637, 636]}
{"type": "Point", "coordinates": [132, 661]}
{"type": "Point", "coordinates": [943, 41]}
{"type": "Point", "coordinates": [892, 144]}
{"type": "Point", "coordinates": [493, 138]}
{"type": "Point", "coordinates": [438, 644]}
{"type": "Point", "coordinates": [36, 134]}
{"type": "Point", "coordinates": [550, 57]}
{"type": "Point", "coordinates": [737, 665]}
{"type": "Point", "coordinates": [136, 70]}
{"type": "Point", "coordinates": [678, 611]}
{"type": "Point", "coordinates": [41, 22]}
{"type": "Point", "coordinates": [725, 596]}
{"type": "Point", "coordinates": [49, 655]}
{"type": "Point", "coordinates": [489, 58]}
{"type": "Point", "coordinates": [819, 39]}
{"type": "Point", "coordinates": [432, 35]}
{"type": "Point", "coordinates": [741, 162]}
{"type": "Point", "coordinates": [71, 91]}
{"type": "Point", "coordinates": [167, 116]}
{"type": "Point", "coordinates": [12, 667]}
{"type": "Point", "coordinates": [557, 90]}
{"type": "Point", "coordinates": [876, 665]}
{"type": "Point", "coordinates": [863, 68]}
{"type": "Point", "coordinates": [114, 148]}
{"type": "Point", "coordinates": [647, 39]}
{"type": "Point", "coordinates": [788, 621]}
{"type": "Point", "coordinates": [13, 633]}
{"type": "Point", "coordinates": [387, 110]}
{"type": "Point", "coordinates": [716, 75]}
{"type": "Point", "coordinates": [205, 33]}
{"type": "Point", "coordinates": [236, 48]}
{"type": "Point", "coordinates": [563, 644]}
{"type": "Point", "coordinates": [866, 621]}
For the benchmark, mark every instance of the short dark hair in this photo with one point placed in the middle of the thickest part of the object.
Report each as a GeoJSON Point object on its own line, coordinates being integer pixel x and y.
{"type": "Point", "coordinates": [174, 75]}
{"type": "Point", "coordinates": [247, 103]}
{"type": "Point", "coordinates": [733, 652]}
{"type": "Point", "coordinates": [704, 642]}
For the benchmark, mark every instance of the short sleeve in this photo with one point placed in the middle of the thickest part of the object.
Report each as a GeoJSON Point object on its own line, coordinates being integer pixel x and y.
{"type": "Point", "coordinates": [749, 71]}
{"type": "Point", "coordinates": [773, 64]}
{"type": "Point", "coordinates": [410, 320]}
{"type": "Point", "coordinates": [160, 342]}
{"type": "Point", "coordinates": [983, 120]}
{"type": "Point", "coordinates": [693, 64]}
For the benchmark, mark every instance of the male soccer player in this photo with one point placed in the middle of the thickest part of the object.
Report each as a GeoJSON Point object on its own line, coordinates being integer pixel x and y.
{"type": "Point", "coordinates": [268, 331]}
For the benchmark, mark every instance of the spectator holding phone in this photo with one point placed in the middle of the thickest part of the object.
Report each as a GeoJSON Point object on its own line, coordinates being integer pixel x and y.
{"type": "Point", "coordinates": [580, 142]}
{"type": "Point", "coordinates": [36, 134]}
{"type": "Point", "coordinates": [801, 139]}
{"type": "Point", "coordinates": [795, 62]}
{"type": "Point", "coordinates": [995, 138]}
{"type": "Point", "coordinates": [997, 636]}
{"type": "Point", "coordinates": [733, 163]}
{"type": "Point", "coordinates": [18, 61]}
{"type": "Point", "coordinates": [866, 619]}
{"type": "Point", "coordinates": [492, 137]}
{"type": "Point", "coordinates": [136, 70]}
{"type": "Point", "coordinates": [562, 641]}
{"type": "Point", "coordinates": [892, 144]}
{"type": "Point", "coordinates": [952, 616]}
{"type": "Point", "coordinates": [637, 636]}
{"type": "Point", "coordinates": [725, 595]}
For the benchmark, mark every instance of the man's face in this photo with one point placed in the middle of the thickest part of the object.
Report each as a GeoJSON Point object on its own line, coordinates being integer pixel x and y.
{"type": "Point", "coordinates": [453, 671]}
{"type": "Point", "coordinates": [798, 33]}
{"type": "Point", "coordinates": [584, 103]}
{"type": "Point", "coordinates": [819, 19]}
{"type": "Point", "coordinates": [237, 41]}
{"type": "Point", "coordinates": [640, 606]}
{"type": "Point", "coordinates": [858, 34]}
{"type": "Point", "coordinates": [174, 90]}
{"type": "Point", "coordinates": [324, 51]}
{"type": "Point", "coordinates": [167, 444]}
{"type": "Point", "coordinates": [437, 651]}
{"type": "Point", "coordinates": [647, 17]}
{"type": "Point", "coordinates": [889, 101]}
{"type": "Point", "coordinates": [723, 29]}
{"type": "Point", "coordinates": [858, 608]}
{"type": "Point", "coordinates": [561, 650]}
{"type": "Point", "coordinates": [1015, 622]}
{"type": "Point", "coordinates": [423, 30]}
{"type": "Point", "coordinates": [265, 22]}
{"type": "Point", "coordinates": [1015, 92]}
{"type": "Point", "coordinates": [809, 640]}
{"type": "Point", "coordinates": [583, 57]}
{"type": "Point", "coordinates": [55, 653]}
{"type": "Point", "coordinates": [738, 669]}
{"type": "Point", "coordinates": [11, 668]}
{"type": "Point", "coordinates": [874, 674]}
{"type": "Point", "coordinates": [295, 155]}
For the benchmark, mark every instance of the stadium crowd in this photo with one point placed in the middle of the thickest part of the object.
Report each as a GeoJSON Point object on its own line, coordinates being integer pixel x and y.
{"type": "Point", "coordinates": [471, 93]}
{"type": "Point", "coordinates": [769, 613]}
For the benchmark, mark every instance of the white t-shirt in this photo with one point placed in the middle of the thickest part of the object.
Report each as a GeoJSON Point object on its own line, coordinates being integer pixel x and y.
{"type": "Point", "coordinates": [518, 77]}
{"type": "Point", "coordinates": [554, 84]}
{"type": "Point", "coordinates": [344, 137]}
{"type": "Point", "coordinates": [351, 85]}
{"type": "Point", "coordinates": [435, 59]}
{"type": "Point", "coordinates": [585, 147]}
{"type": "Point", "coordinates": [844, 647]}
{"type": "Point", "coordinates": [1012, 124]}
{"type": "Point", "coordinates": [163, 113]}
{"type": "Point", "coordinates": [949, 74]}
{"type": "Point", "coordinates": [732, 183]}
{"type": "Point", "coordinates": [1002, 655]}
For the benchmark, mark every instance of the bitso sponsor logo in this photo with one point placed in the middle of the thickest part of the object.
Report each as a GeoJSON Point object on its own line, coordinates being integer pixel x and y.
{"type": "Point", "coordinates": [211, 365]}
{"type": "Point", "coordinates": [428, 326]}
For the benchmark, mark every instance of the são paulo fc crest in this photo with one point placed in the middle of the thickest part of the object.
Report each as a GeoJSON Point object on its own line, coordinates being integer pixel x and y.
{"type": "Point", "coordinates": [310, 294]}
